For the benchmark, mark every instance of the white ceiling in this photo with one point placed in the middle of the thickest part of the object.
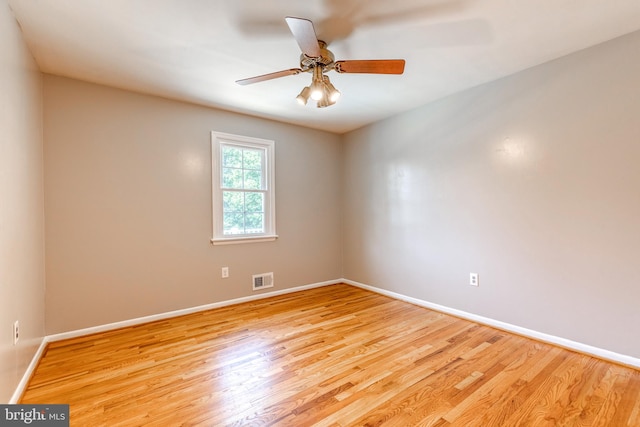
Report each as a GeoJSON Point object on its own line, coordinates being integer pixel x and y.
{"type": "Point", "coordinates": [194, 50]}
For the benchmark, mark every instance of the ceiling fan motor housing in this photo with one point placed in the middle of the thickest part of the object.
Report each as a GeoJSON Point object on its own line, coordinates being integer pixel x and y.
{"type": "Point", "coordinates": [326, 57]}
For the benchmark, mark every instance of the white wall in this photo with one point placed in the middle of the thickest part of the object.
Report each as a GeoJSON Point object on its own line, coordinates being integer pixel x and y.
{"type": "Point", "coordinates": [128, 206]}
{"type": "Point", "coordinates": [21, 204]}
{"type": "Point", "coordinates": [531, 181]}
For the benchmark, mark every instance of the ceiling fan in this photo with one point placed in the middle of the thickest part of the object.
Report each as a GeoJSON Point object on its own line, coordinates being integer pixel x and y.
{"type": "Point", "coordinates": [317, 59]}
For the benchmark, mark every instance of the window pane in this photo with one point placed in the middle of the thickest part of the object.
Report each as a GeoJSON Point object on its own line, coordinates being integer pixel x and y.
{"type": "Point", "coordinates": [252, 159]}
{"type": "Point", "coordinates": [252, 179]}
{"type": "Point", "coordinates": [233, 223]}
{"type": "Point", "coordinates": [231, 157]}
{"type": "Point", "coordinates": [233, 201]}
{"type": "Point", "coordinates": [232, 178]}
{"type": "Point", "coordinates": [254, 223]}
{"type": "Point", "coordinates": [254, 202]}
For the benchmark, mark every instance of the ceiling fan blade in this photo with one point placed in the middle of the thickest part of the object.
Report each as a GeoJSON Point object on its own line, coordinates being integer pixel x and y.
{"type": "Point", "coordinates": [277, 74]}
{"type": "Point", "coordinates": [305, 35]}
{"type": "Point", "coordinates": [372, 66]}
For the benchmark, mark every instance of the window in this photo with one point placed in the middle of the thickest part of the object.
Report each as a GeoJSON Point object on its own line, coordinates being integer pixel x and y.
{"type": "Point", "coordinates": [243, 190]}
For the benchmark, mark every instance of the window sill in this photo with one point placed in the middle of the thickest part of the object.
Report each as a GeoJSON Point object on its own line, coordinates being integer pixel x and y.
{"type": "Point", "coordinates": [237, 240]}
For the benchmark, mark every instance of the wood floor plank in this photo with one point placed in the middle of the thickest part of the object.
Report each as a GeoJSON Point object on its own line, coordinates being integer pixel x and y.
{"type": "Point", "coordinates": [331, 356]}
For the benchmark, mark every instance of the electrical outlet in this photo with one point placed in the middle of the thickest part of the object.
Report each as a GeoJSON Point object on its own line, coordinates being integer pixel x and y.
{"type": "Point", "coordinates": [16, 332]}
{"type": "Point", "coordinates": [225, 272]}
{"type": "Point", "coordinates": [473, 279]}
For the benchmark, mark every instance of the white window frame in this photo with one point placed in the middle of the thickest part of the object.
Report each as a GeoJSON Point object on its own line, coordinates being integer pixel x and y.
{"type": "Point", "coordinates": [218, 140]}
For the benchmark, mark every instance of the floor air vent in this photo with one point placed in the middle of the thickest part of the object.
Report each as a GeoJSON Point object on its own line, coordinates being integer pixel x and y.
{"type": "Point", "coordinates": [261, 281]}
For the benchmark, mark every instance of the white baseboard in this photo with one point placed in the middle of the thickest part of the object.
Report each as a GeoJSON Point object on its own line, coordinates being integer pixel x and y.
{"type": "Point", "coordinates": [182, 312]}
{"type": "Point", "coordinates": [22, 385]}
{"type": "Point", "coordinates": [551, 339]}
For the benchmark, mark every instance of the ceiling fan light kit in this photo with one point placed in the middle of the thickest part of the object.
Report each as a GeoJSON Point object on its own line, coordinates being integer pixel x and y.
{"type": "Point", "coordinates": [332, 93]}
{"type": "Point", "coordinates": [304, 95]}
{"type": "Point", "coordinates": [317, 59]}
{"type": "Point", "coordinates": [317, 84]}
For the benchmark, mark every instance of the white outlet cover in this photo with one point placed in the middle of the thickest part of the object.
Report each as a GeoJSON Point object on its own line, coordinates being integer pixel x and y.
{"type": "Point", "coordinates": [473, 279]}
{"type": "Point", "coordinates": [16, 332]}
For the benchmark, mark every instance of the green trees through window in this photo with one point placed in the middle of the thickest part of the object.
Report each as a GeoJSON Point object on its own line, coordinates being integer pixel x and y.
{"type": "Point", "coordinates": [242, 185]}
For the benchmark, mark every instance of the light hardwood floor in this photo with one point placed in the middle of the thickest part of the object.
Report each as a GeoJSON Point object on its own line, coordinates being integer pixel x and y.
{"type": "Point", "coordinates": [331, 356]}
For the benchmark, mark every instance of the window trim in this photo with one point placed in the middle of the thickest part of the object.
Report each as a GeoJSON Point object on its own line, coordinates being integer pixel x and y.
{"type": "Point", "coordinates": [217, 140]}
